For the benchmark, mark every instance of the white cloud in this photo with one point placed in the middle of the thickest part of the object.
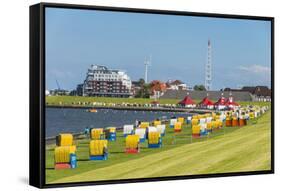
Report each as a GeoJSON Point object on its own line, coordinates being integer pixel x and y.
{"type": "Point", "coordinates": [254, 75]}
{"type": "Point", "coordinates": [257, 69]}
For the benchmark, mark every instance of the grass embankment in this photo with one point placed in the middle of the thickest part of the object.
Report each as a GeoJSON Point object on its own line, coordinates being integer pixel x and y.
{"type": "Point", "coordinates": [231, 149]}
{"type": "Point", "coordinates": [86, 101]}
{"type": "Point", "coordinates": [73, 100]}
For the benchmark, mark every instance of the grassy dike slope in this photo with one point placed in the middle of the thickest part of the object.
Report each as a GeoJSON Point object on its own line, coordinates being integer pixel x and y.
{"type": "Point", "coordinates": [246, 149]}
{"type": "Point", "coordinates": [72, 100]}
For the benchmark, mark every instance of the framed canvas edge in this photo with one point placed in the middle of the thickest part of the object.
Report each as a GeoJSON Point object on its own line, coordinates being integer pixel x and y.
{"type": "Point", "coordinates": [35, 96]}
{"type": "Point", "coordinates": [37, 88]}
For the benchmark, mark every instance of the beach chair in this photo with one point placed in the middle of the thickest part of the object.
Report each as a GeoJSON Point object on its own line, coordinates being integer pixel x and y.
{"type": "Point", "coordinates": [222, 117]}
{"type": "Point", "coordinates": [195, 117]}
{"type": "Point", "coordinates": [151, 129]}
{"type": "Point", "coordinates": [252, 115]}
{"type": "Point", "coordinates": [208, 119]}
{"type": "Point", "coordinates": [110, 133]}
{"type": "Point", "coordinates": [97, 134]}
{"type": "Point", "coordinates": [172, 122]}
{"type": "Point", "coordinates": [65, 157]}
{"type": "Point", "coordinates": [203, 129]}
{"type": "Point", "coordinates": [132, 144]}
{"type": "Point", "coordinates": [196, 131]}
{"type": "Point", "coordinates": [188, 119]}
{"type": "Point", "coordinates": [128, 130]}
{"type": "Point", "coordinates": [215, 125]}
{"type": "Point", "coordinates": [156, 122]}
{"type": "Point", "coordinates": [228, 121]}
{"type": "Point", "coordinates": [178, 127]}
{"type": "Point", "coordinates": [98, 150]}
{"type": "Point", "coordinates": [141, 133]}
{"type": "Point", "coordinates": [242, 120]}
{"type": "Point", "coordinates": [200, 116]}
{"type": "Point", "coordinates": [181, 120]}
{"type": "Point", "coordinates": [161, 129]}
{"type": "Point", "coordinates": [202, 120]}
{"type": "Point", "coordinates": [209, 127]}
{"type": "Point", "coordinates": [235, 122]}
{"type": "Point", "coordinates": [154, 140]}
{"type": "Point", "coordinates": [144, 125]}
{"type": "Point", "coordinates": [194, 121]}
{"type": "Point", "coordinates": [220, 123]}
{"type": "Point", "coordinates": [64, 139]}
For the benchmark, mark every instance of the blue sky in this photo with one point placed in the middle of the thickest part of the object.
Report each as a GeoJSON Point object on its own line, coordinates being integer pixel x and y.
{"type": "Point", "coordinates": [75, 39]}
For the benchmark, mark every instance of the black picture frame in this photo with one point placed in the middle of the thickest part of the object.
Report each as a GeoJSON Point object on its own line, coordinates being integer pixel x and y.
{"type": "Point", "coordinates": [37, 93]}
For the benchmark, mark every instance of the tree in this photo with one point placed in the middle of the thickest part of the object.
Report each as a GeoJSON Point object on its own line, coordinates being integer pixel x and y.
{"type": "Point", "coordinates": [141, 82]}
{"type": "Point", "coordinates": [199, 88]}
{"type": "Point", "coordinates": [144, 91]}
{"type": "Point", "coordinates": [157, 85]}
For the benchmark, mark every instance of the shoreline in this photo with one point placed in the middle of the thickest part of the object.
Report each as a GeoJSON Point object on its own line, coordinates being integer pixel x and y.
{"type": "Point", "coordinates": [167, 109]}
{"type": "Point", "coordinates": [52, 140]}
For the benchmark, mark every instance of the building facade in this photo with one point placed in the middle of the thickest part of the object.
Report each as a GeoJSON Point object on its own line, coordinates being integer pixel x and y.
{"type": "Point", "coordinates": [176, 85]}
{"type": "Point", "coordinates": [103, 82]}
{"type": "Point", "coordinates": [212, 95]}
{"type": "Point", "coordinates": [259, 93]}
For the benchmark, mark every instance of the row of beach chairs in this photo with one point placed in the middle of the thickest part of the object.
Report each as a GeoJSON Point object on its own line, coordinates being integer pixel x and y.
{"type": "Point", "coordinates": [201, 125]}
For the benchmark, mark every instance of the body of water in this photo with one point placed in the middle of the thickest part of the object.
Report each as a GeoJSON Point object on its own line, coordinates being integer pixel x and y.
{"type": "Point", "coordinates": [69, 120]}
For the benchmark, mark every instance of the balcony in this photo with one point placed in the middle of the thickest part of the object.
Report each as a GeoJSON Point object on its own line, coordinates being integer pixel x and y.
{"type": "Point", "coordinates": [88, 88]}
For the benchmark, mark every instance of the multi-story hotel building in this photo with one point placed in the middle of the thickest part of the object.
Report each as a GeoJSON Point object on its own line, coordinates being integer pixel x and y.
{"type": "Point", "coordinates": [101, 81]}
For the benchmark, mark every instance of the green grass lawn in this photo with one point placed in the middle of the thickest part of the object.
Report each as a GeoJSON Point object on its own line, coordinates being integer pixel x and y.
{"type": "Point", "coordinates": [231, 149]}
{"type": "Point", "coordinates": [74, 100]}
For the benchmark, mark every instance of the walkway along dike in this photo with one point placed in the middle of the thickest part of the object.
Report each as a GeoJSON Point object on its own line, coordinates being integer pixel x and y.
{"type": "Point", "coordinates": [170, 109]}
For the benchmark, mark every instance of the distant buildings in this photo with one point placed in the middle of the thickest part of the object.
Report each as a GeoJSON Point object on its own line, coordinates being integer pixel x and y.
{"type": "Point", "coordinates": [103, 82]}
{"type": "Point", "coordinates": [259, 93]}
{"type": "Point", "coordinates": [56, 92]}
{"type": "Point", "coordinates": [136, 86]}
{"type": "Point", "coordinates": [212, 95]}
{"type": "Point", "coordinates": [176, 85]}
{"type": "Point", "coordinates": [157, 88]}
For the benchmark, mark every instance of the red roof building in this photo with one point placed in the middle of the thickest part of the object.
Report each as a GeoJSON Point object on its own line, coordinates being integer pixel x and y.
{"type": "Point", "coordinates": [230, 102]}
{"type": "Point", "coordinates": [186, 101]}
{"type": "Point", "coordinates": [206, 102]}
{"type": "Point", "coordinates": [221, 101]}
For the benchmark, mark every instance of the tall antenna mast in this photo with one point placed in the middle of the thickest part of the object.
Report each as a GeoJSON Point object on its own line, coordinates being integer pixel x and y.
{"type": "Point", "coordinates": [208, 67]}
{"type": "Point", "coordinates": [58, 84]}
{"type": "Point", "coordinates": [147, 63]}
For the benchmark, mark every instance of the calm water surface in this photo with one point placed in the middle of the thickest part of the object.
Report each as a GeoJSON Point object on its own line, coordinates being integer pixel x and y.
{"type": "Point", "coordinates": [76, 120]}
